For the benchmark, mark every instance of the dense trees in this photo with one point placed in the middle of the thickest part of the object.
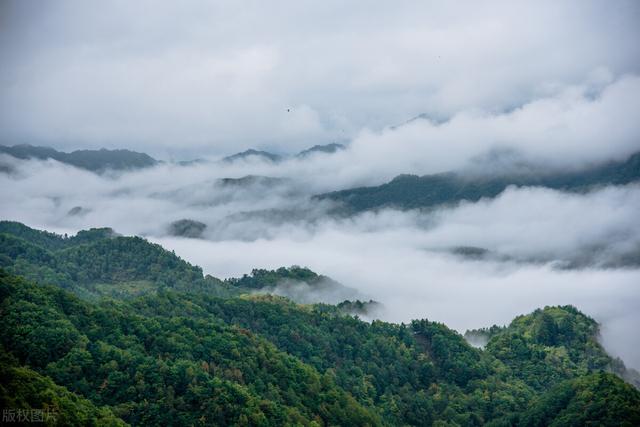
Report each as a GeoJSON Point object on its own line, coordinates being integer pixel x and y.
{"type": "Point", "coordinates": [174, 358]}
{"type": "Point", "coordinates": [597, 399]}
{"type": "Point", "coordinates": [261, 278]}
{"type": "Point", "coordinates": [166, 369]}
{"type": "Point", "coordinates": [551, 345]}
{"type": "Point", "coordinates": [33, 398]}
{"type": "Point", "coordinates": [182, 349]}
{"type": "Point", "coordinates": [95, 260]}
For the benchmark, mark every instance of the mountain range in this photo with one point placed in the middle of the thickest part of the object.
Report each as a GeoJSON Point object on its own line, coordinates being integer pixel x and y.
{"type": "Point", "coordinates": [428, 191]}
{"type": "Point", "coordinates": [92, 160]}
{"type": "Point", "coordinates": [276, 158]}
{"type": "Point", "coordinates": [103, 160]}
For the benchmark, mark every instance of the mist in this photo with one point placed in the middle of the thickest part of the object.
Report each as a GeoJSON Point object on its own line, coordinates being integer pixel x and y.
{"type": "Point", "coordinates": [414, 88]}
{"type": "Point", "coordinates": [539, 246]}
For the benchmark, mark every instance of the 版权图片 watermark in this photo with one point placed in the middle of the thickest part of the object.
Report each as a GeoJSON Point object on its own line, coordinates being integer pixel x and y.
{"type": "Point", "coordinates": [29, 415]}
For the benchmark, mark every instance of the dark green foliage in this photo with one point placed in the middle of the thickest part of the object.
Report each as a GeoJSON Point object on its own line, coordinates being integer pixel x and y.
{"type": "Point", "coordinates": [599, 399]}
{"type": "Point", "coordinates": [456, 360]}
{"type": "Point", "coordinates": [551, 345]}
{"type": "Point", "coordinates": [44, 402]}
{"type": "Point", "coordinates": [359, 308]}
{"type": "Point", "coordinates": [93, 258]}
{"type": "Point", "coordinates": [177, 357]}
{"type": "Point", "coordinates": [166, 368]}
{"type": "Point", "coordinates": [260, 278]}
{"type": "Point", "coordinates": [92, 160]}
{"type": "Point", "coordinates": [44, 239]}
{"type": "Point", "coordinates": [411, 191]}
{"type": "Point", "coordinates": [481, 336]}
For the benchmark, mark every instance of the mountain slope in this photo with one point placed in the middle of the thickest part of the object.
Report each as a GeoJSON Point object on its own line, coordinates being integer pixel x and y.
{"type": "Point", "coordinates": [179, 357]}
{"type": "Point", "coordinates": [166, 369]}
{"type": "Point", "coordinates": [98, 262]}
{"type": "Point", "coordinates": [411, 191]}
{"type": "Point", "coordinates": [41, 400]}
{"type": "Point", "coordinates": [581, 402]}
{"type": "Point", "coordinates": [190, 349]}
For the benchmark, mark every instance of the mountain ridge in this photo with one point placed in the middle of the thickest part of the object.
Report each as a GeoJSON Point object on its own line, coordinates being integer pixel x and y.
{"type": "Point", "coordinates": [98, 161]}
{"type": "Point", "coordinates": [428, 191]}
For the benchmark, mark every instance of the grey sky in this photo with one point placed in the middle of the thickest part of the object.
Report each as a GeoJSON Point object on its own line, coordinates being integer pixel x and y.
{"type": "Point", "coordinates": [182, 78]}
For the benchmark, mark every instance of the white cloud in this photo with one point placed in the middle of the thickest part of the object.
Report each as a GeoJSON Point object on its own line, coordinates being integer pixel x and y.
{"type": "Point", "coordinates": [216, 76]}
{"type": "Point", "coordinates": [398, 258]}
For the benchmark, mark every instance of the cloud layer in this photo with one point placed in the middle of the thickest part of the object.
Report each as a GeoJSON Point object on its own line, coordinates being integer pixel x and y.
{"type": "Point", "coordinates": [175, 79]}
{"type": "Point", "coordinates": [406, 260]}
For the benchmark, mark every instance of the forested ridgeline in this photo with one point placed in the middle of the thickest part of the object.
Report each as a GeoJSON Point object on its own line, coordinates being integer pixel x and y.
{"type": "Point", "coordinates": [99, 262]}
{"type": "Point", "coordinates": [429, 191]}
{"type": "Point", "coordinates": [178, 356]}
{"type": "Point", "coordinates": [99, 161]}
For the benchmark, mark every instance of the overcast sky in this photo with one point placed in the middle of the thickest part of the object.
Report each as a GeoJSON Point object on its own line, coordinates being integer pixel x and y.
{"type": "Point", "coordinates": [214, 77]}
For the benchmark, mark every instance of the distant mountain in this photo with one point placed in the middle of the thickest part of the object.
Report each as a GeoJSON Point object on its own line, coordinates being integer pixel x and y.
{"type": "Point", "coordinates": [251, 180]}
{"type": "Point", "coordinates": [421, 117]}
{"type": "Point", "coordinates": [78, 211]}
{"type": "Point", "coordinates": [264, 155]}
{"type": "Point", "coordinates": [328, 148]}
{"type": "Point", "coordinates": [192, 162]}
{"type": "Point", "coordinates": [412, 191]}
{"type": "Point", "coordinates": [187, 228]}
{"type": "Point", "coordinates": [92, 160]}
{"type": "Point", "coordinates": [275, 158]}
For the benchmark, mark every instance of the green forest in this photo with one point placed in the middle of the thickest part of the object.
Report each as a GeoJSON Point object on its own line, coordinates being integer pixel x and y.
{"type": "Point", "coordinates": [103, 329]}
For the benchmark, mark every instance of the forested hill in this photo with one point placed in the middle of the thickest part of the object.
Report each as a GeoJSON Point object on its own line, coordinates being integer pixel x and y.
{"type": "Point", "coordinates": [99, 262]}
{"type": "Point", "coordinates": [412, 191]}
{"type": "Point", "coordinates": [176, 358]}
{"type": "Point", "coordinates": [195, 350]}
{"type": "Point", "coordinates": [92, 160]}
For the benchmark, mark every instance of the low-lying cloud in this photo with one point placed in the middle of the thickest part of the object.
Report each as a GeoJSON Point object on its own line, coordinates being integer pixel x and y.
{"type": "Point", "coordinates": [537, 246]}
{"type": "Point", "coordinates": [502, 87]}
